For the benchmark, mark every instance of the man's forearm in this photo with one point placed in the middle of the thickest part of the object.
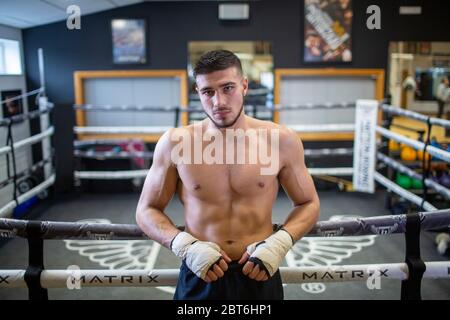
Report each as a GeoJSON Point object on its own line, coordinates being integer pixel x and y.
{"type": "Point", "coordinates": [156, 225]}
{"type": "Point", "coordinates": [302, 219]}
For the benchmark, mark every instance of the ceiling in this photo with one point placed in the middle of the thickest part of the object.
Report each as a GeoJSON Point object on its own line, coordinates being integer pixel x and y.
{"type": "Point", "coordinates": [29, 13]}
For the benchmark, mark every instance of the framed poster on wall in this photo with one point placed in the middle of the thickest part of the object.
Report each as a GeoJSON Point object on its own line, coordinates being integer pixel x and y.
{"type": "Point", "coordinates": [11, 108]}
{"type": "Point", "coordinates": [128, 39]}
{"type": "Point", "coordinates": [327, 32]}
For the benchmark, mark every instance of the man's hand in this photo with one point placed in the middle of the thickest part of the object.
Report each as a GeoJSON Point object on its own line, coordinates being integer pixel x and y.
{"type": "Point", "coordinates": [252, 269]}
{"type": "Point", "coordinates": [206, 259]}
{"type": "Point", "coordinates": [264, 258]}
{"type": "Point", "coordinates": [217, 270]}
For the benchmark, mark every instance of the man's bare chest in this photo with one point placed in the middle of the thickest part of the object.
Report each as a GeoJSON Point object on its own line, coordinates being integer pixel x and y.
{"type": "Point", "coordinates": [225, 179]}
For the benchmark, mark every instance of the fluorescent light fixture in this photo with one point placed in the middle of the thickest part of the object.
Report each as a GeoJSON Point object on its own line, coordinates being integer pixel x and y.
{"type": "Point", "coordinates": [234, 11]}
{"type": "Point", "coordinates": [410, 10]}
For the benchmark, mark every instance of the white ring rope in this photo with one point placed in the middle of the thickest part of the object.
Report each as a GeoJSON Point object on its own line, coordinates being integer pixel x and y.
{"type": "Point", "coordinates": [155, 108]}
{"type": "Point", "coordinates": [110, 175]}
{"type": "Point", "coordinates": [27, 116]}
{"type": "Point", "coordinates": [345, 127]}
{"type": "Point", "coordinates": [328, 152]}
{"type": "Point", "coordinates": [28, 141]}
{"type": "Point", "coordinates": [22, 96]}
{"type": "Point", "coordinates": [144, 154]}
{"type": "Point", "coordinates": [131, 174]}
{"type": "Point", "coordinates": [402, 192]}
{"type": "Point", "coordinates": [96, 142]}
{"type": "Point", "coordinates": [313, 106]}
{"type": "Point", "coordinates": [126, 130]}
{"type": "Point", "coordinates": [112, 154]}
{"type": "Point", "coordinates": [24, 174]}
{"type": "Point", "coordinates": [91, 107]}
{"type": "Point", "coordinates": [412, 174]}
{"type": "Point", "coordinates": [9, 207]}
{"type": "Point", "coordinates": [438, 153]}
{"type": "Point", "coordinates": [169, 277]}
{"type": "Point", "coordinates": [331, 171]}
{"type": "Point", "coordinates": [415, 115]}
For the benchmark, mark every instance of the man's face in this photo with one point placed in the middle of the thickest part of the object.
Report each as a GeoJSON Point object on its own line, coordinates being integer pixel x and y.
{"type": "Point", "coordinates": [344, 3]}
{"type": "Point", "coordinates": [312, 41]}
{"type": "Point", "coordinates": [222, 95]}
{"type": "Point", "coordinates": [12, 107]}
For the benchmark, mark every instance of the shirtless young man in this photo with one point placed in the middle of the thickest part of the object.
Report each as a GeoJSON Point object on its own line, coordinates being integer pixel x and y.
{"type": "Point", "coordinates": [229, 249]}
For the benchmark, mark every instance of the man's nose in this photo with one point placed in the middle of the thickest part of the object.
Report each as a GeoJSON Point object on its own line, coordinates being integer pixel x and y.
{"type": "Point", "coordinates": [217, 98]}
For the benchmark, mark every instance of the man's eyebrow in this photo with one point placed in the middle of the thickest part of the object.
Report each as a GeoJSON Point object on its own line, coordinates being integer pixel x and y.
{"type": "Point", "coordinates": [221, 86]}
{"type": "Point", "coordinates": [228, 83]}
{"type": "Point", "coordinates": [205, 89]}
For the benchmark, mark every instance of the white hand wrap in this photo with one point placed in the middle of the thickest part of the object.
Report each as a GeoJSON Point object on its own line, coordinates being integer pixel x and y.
{"type": "Point", "coordinates": [271, 251]}
{"type": "Point", "coordinates": [198, 255]}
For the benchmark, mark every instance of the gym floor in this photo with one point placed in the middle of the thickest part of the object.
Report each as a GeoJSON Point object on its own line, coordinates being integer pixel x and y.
{"type": "Point", "coordinates": [120, 208]}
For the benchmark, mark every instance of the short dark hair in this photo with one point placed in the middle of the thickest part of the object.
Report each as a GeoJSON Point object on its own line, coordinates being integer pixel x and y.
{"type": "Point", "coordinates": [217, 60]}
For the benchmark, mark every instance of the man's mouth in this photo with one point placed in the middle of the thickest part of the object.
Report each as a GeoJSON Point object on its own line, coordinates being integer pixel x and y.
{"type": "Point", "coordinates": [221, 113]}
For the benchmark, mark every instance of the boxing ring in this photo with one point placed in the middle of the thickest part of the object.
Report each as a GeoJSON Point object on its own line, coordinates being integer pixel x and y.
{"type": "Point", "coordinates": [38, 279]}
{"type": "Point", "coordinates": [23, 188]}
{"type": "Point", "coordinates": [411, 272]}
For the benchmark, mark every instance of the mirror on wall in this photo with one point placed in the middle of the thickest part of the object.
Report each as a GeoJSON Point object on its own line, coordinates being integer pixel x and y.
{"type": "Point", "coordinates": [257, 63]}
{"type": "Point", "coordinates": [415, 71]}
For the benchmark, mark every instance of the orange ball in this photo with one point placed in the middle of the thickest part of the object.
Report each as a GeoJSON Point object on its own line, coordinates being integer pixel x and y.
{"type": "Point", "coordinates": [393, 145]}
{"type": "Point", "coordinates": [408, 154]}
{"type": "Point", "coordinates": [420, 155]}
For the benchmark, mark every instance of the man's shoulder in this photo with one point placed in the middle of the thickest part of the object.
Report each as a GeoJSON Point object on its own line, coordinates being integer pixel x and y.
{"type": "Point", "coordinates": [285, 132]}
{"type": "Point", "coordinates": [263, 124]}
{"type": "Point", "coordinates": [289, 139]}
{"type": "Point", "coordinates": [174, 134]}
{"type": "Point", "coordinates": [171, 137]}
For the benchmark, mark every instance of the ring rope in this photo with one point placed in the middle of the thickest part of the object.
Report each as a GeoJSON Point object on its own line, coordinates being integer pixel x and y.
{"type": "Point", "coordinates": [127, 130]}
{"type": "Point", "coordinates": [403, 192]}
{"type": "Point", "coordinates": [313, 106]}
{"type": "Point", "coordinates": [415, 115]}
{"type": "Point", "coordinates": [328, 152]}
{"type": "Point", "coordinates": [31, 93]}
{"type": "Point", "coordinates": [28, 141]}
{"type": "Point", "coordinates": [169, 277]}
{"type": "Point", "coordinates": [26, 116]}
{"type": "Point", "coordinates": [413, 174]}
{"type": "Point", "coordinates": [112, 154]}
{"type": "Point", "coordinates": [331, 171]}
{"type": "Point", "coordinates": [131, 174]}
{"type": "Point", "coordinates": [9, 207]}
{"type": "Point", "coordinates": [438, 153]}
{"type": "Point", "coordinates": [377, 225]}
{"type": "Point", "coordinates": [27, 172]}
{"type": "Point", "coordinates": [151, 108]}
{"type": "Point", "coordinates": [110, 175]}
{"type": "Point", "coordinates": [344, 127]}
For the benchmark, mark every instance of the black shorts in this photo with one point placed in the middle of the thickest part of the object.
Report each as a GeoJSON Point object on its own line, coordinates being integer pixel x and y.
{"type": "Point", "coordinates": [234, 285]}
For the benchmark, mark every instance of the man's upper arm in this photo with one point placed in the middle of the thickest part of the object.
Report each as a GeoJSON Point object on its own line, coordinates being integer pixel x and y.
{"type": "Point", "coordinates": [161, 181]}
{"type": "Point", "coordinates": [294, 176]}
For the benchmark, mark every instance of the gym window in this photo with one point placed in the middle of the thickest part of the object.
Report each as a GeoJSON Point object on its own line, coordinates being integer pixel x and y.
{"type": "Point", "coordinates": [10, 57]}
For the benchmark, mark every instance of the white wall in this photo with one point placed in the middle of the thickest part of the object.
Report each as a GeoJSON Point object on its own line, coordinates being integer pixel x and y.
{"type": "Point", "coordinates": [317, 90]}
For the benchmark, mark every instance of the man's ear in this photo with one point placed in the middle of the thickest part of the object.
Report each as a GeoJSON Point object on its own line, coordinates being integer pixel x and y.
{"type": "Point", "coordinates": [245, 85]}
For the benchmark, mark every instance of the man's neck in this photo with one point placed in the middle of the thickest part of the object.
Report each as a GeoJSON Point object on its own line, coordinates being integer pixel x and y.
{"type": "Point", "coordinates": [241, 123]}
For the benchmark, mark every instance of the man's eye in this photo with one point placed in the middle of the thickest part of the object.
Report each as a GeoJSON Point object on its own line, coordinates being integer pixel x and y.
{"type": "Point", "coordinates": [208, 93]}
{"type": "Point", "coordinates": [228, 88]}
